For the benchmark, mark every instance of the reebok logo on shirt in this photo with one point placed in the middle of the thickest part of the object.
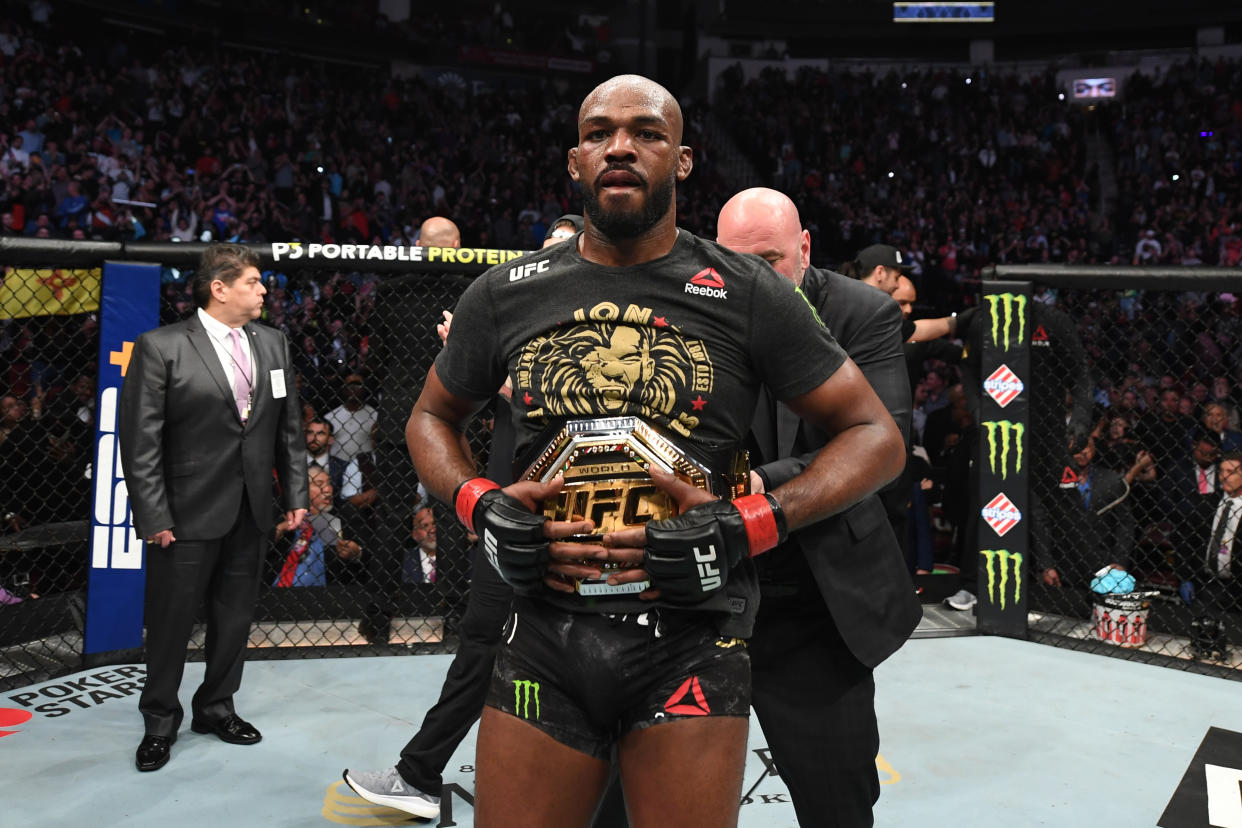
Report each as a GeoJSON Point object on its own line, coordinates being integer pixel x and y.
{"type": "Point", "coordinates": [707, 282]}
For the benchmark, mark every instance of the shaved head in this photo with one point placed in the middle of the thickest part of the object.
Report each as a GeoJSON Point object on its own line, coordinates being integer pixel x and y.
{"type": "Point", "coordinates": [639, 91]}
{"type": "Point", "coordinates": [905, 295]}
{"type": "Point", "coordinates": [438, 231]}
{"type": "Point", "coordinates": [766, 223]}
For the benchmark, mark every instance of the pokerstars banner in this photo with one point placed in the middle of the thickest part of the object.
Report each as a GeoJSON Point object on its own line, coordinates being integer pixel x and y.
{"type": "Point", "coordinates": [1002, 539]}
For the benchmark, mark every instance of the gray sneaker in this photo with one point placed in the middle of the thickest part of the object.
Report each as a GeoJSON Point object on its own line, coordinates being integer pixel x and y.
{"type": "Point", "coordinates": [961, 600]}
{"type": "Point", "coordinates": [386, 787]}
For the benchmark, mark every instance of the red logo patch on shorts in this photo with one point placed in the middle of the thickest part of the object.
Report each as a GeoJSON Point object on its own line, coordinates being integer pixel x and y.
{"type": "Point", "coordinates": [681, 703]}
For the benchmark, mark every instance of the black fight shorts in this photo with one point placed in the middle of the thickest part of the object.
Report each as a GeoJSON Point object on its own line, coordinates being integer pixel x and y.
{"type": "Point", "coordinates": [585, 678]}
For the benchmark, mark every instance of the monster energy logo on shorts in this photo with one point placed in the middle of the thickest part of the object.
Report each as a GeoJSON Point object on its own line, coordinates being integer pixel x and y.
{"type": "Point", "coordinates": [1009, 301]}
{"type": "Point", "coordinates": [1003, 429]}
{"type": "Point", "coordinates": [1003, 557]}
{"type": "Point", "coordinates": [523, 692]}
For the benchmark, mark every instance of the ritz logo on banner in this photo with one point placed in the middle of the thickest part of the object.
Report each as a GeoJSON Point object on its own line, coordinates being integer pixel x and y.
{"type": "Point", "coordinates": [1001, 514]}
{"type": "Point", "coordinates": [1008, 436]}
{"type": "Point", "coordinates": [1003, 386]}
{"type": "Point", "coordinates": [1002, 309]}
{"type": "Point", "coordinates": [998, 563]}
{"type": "Point", "coordinates": [115, 545]}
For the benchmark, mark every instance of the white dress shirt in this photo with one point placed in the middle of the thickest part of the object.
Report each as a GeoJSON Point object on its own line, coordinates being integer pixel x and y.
{"type": "Point", "coordinates": [351, 481]}
{"type": "Point", "coordinates": [1224, 554]}
{"type": "Point", "coordinates": [218, 332]}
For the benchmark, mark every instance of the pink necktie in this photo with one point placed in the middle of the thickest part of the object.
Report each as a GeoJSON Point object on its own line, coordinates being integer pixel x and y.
{"type": "Point", "coordinates": [241, 376]}
{"type": "Point", "coordinates": [1204, 487]}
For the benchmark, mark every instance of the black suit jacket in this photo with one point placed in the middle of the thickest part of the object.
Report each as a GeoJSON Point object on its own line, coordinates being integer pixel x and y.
{"type": "Point", "coordinates": [1181, 484]}
{"type": "Point", "coordinates": [1193, 561]}
{"type": "Point", "coordinates": [187, 457]}
{"type": "Point", "coordinates": [854, 555]}
{"type": "Point", "coordinates": [1178, 487]}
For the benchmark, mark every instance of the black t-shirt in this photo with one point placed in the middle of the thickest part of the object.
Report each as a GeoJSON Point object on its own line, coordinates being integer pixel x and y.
{"type": "Point", "coordinates": [683, 342]}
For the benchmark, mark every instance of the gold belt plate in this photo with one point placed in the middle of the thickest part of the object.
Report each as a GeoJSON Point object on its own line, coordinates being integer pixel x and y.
{"type": "Point", "coordinates": [606, 465]}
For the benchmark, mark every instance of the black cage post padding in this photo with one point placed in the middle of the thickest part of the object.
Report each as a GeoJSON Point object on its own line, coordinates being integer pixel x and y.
{"type": "Point", "coordinates": [1002, 458]}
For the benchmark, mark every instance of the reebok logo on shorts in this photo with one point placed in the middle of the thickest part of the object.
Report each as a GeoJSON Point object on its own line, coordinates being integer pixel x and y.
{"type": "Point", "coordinates": [688, 700]}
{"type": "Point", "coordinates": [707, 282]}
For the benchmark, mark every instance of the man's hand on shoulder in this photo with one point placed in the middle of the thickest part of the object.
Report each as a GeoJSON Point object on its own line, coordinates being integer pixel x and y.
{"type": "Point", "coordinates": [443, 328]}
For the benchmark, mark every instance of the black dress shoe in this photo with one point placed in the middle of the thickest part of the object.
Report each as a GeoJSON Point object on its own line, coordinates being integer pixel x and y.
{"type": "Point", "coordinates": [232, 729]}
{"type": "Point", "coordinates": [153, 752]}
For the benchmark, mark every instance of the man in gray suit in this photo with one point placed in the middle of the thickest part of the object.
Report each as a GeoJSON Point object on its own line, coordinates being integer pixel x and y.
{"type": "Point", "coordinates": [836, 597]}
{"type": "Point", "coordinates": [209, 407]}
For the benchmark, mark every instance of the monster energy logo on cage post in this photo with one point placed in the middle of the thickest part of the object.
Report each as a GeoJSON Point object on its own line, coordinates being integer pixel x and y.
{"type": "Point", "coordinates": [1003, 556]}
{"type": "Point", "coordinates": [1011, 302]}
{"type": "Point", "coordinates": [523, 692]}
{"type": "Point", "coordinates": [1003, 429]}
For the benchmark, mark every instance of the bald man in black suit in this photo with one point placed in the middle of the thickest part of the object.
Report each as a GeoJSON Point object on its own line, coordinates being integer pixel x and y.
{"type": "Point", "coordinates": [836, 597]}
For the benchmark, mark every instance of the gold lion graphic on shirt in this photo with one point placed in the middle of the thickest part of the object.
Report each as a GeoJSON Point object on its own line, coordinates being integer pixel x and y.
{"type": "Point", "coordinates": [605, 369]}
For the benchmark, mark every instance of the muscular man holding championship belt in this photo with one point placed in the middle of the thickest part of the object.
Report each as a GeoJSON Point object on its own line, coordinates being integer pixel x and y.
{"type": "Point", "coordinates": [634, 352]}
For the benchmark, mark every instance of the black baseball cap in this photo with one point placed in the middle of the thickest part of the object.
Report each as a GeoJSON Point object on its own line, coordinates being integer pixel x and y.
{"type": "Point", "coordinates": [568, 218]}
{"type": "Point", "coordinates": [882, 255]}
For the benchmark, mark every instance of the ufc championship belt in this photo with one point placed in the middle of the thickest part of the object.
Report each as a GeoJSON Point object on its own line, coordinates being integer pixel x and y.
{"type": "Point", "coordinates": [605, 463]}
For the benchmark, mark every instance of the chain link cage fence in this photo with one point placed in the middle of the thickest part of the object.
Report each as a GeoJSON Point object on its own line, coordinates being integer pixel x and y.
{"type": "Point", "coordinates": [395, 570]}
{"type": "Point", "coordinates": [1133, 536]}
{"type": "Point", "coordinates": [1131, 546]}
{"type": "Point", "coordinates": [48, 347]}
{"type": "Point", "coordinates": [1131, 450]}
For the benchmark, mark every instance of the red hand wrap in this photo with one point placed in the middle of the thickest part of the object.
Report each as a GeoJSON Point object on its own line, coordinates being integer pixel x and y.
{"type": "Point", "coordinates": [760, 521]}
{"type": "Point", "coordinates": [468, 495]}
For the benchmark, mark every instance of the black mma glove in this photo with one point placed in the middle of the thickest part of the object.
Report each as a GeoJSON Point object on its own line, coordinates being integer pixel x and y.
{"type": "Point", "coordinates": [512, 535]}
{"type": "Point", "coordinates": [962, 321]}
{"type": "Point", "coordinates": [689, 556]}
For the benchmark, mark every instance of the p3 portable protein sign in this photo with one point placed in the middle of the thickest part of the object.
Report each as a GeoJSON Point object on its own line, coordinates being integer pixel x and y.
{"type": "Point", "coordinates": [437, 259]}
{"type": "Point", "coordinates": [1002, 539]}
